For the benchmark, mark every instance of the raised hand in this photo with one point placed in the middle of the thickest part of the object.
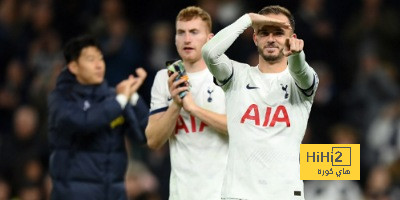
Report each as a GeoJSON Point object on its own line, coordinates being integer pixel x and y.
{"type": "Point", "coordinates": [259, 21]}
{"type": "Point", "coordinates": [130, 85]}
{"type": "Point", "coordinates": [175, 89]}
{"type": "Point", "coordinates": [124, 87]}
{"type": "Point", "coordinates": [293, 46]}
{"type": "Point", "coordinates": [141, 76]}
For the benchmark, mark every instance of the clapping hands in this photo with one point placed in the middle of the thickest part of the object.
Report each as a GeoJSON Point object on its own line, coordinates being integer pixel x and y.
{"type": "Point", "coordinates": [130, 85]}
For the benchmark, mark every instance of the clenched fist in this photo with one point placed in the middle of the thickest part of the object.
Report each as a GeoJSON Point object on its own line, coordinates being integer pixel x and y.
{"type": "Point", "coordinates": [293, 46]}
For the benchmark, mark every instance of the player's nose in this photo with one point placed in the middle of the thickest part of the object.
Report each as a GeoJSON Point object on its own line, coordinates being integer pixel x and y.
{"type": "Point", "coordinates": [270, 37]}
{"type": "Point", "coordinates": [187, 38]}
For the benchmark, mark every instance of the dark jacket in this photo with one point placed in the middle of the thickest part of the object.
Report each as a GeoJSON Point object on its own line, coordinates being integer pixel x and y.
{"type": "Point", "coordinates": [87, 128]}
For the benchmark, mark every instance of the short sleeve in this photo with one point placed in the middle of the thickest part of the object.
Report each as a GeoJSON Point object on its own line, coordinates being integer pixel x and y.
{"type": "Point", "coordinates": [160, 93]}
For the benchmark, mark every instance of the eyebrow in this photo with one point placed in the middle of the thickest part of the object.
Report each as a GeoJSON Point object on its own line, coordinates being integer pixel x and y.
{"type": "Point", "coordinates": [183, 30]}
{"type": "Point", "coordinates": [93, 55]}
{"type": "Point", "coordinates": [274, 28]}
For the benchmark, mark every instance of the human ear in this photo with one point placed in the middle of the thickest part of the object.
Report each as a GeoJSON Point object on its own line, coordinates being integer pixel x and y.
{"type": "Point", "coordinates": [255, 38]}
{"type": "Point", "coordinates": [73, 67]}
{"type": "Point", "coordinates": [210, 35]}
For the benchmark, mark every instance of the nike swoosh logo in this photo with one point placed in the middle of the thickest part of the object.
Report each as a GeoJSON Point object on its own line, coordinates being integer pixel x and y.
{"type": "Point", "coordinates": [251, 87]}
{"type": "Point", "coordinates": [169, 98]}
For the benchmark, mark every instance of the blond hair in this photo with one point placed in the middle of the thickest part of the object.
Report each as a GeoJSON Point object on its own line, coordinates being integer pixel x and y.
{"type": "Point", "coordinates": [192, 12]}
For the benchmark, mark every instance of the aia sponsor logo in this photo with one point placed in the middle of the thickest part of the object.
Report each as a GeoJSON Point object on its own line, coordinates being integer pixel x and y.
{"type": "Point", "coordinates": [181, 125]}
{"type": "Point", "coordinates": [272, 116]}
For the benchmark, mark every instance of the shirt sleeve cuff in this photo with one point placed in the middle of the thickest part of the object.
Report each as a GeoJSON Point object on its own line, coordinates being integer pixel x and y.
{"type": "Point", "coordinates": [122, 100]}
{"type": "Point", "coordinates": [246, 20]}
{"type": "Point", "coordinates": [134, 99]}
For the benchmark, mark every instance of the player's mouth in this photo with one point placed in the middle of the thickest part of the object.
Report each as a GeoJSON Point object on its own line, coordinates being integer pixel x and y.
{"type": "Point", "coordinates": [188, 49]}
{"type": "Point", "coordinates": [271, 49]}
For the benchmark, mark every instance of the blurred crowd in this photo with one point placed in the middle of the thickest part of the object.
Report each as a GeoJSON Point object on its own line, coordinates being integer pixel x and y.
{"type": "Point", "coordinates": [352, 45]}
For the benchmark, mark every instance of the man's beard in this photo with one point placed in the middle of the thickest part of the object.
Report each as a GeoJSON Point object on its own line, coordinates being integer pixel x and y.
{"type": "Point", "coordinates": [270, 58]}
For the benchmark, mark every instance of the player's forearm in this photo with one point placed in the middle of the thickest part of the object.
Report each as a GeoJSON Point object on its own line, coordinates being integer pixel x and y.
{"type": "Point", "coordinates": [217, 46]}
{"type": "Point", "coordinates": [300, 70]}
{"type": "Point", "coordinates": [161, 126]}
{"type": "Point", "coordinates": [214, 120]}
{"type": "Point", "coordinates": [213, 51]}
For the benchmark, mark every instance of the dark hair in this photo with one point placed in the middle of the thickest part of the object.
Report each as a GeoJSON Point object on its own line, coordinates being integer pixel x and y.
{"type": "Point", "coordinates": [73, 48]}
{"type": "Point", "coordinates": [275, 9]}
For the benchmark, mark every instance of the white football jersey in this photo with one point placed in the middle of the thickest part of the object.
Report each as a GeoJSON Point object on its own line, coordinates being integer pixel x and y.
{"type": "Point", "coordinates": [198, 152]}
{"type": "Point", "coordinates": [267, 118]}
